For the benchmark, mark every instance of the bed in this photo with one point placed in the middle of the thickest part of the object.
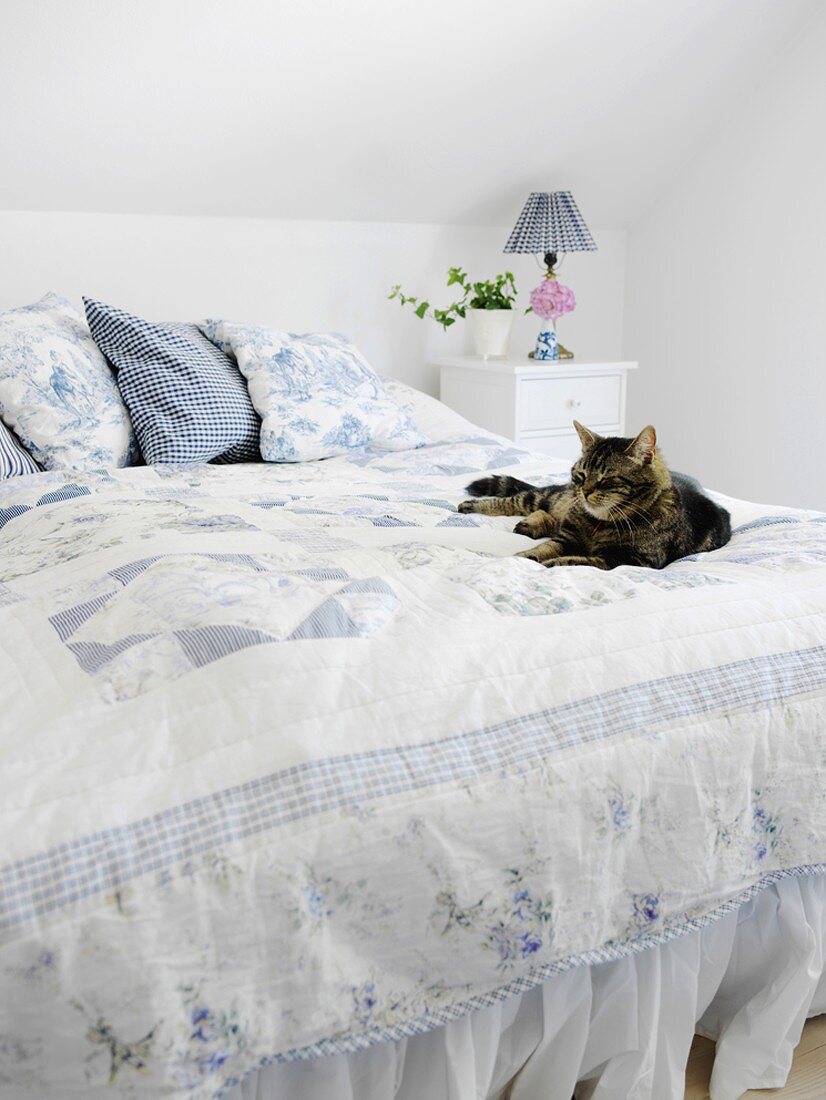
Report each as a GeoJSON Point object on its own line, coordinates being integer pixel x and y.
{"type": "Point", "coordinates": [311, 789]}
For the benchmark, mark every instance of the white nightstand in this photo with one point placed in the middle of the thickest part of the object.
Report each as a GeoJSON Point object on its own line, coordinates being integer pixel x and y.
{"type": "Point", "coordinates": [536, 402]}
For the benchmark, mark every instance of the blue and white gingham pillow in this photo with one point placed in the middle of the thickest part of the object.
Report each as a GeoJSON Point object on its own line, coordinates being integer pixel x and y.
{"type": "Point", "coordinates": [187, 399]}
{"type": "Point", "coordinates": [14, 458]}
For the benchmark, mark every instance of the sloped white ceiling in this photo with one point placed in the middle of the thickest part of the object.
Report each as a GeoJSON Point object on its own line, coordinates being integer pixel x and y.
{"type": "Point", "coordinates": [443, 111]}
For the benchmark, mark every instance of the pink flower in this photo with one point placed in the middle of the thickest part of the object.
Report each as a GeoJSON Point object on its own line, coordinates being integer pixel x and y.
{"type": "Point", "coordinates": [552, 299]}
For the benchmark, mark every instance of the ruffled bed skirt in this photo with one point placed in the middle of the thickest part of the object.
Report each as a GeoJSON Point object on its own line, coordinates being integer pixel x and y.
{"type": "Point", "coordinates": [617, 1031]}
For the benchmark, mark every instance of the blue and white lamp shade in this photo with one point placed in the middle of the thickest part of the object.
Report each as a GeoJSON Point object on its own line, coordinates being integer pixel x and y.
{"type": "Point", "coordinates": [550, 222]}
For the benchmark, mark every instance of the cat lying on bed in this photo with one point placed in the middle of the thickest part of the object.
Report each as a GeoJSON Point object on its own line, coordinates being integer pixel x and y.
{"type": "Point", "coordinates": [622, 506]}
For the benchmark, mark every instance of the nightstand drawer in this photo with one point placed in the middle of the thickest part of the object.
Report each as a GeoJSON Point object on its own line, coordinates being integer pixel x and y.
{"type": "Point", "coordinates": [554, 402]}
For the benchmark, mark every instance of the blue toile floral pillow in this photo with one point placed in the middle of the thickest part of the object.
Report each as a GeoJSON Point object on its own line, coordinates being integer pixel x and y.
{"type": "Point", "coordinates": [57, 392]}
{"type": "Point", "coordinates": [316, 395]}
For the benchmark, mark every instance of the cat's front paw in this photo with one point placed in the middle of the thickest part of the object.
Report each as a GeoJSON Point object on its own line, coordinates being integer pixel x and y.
{"type": "Point", "coordinates": [533, 530]}
{"type": "Point", "coordinates": [545, 553]}
{"type": "Point", "coordinates": [534, 554]}
{"type": "Point", "coordinates": [466, 506]}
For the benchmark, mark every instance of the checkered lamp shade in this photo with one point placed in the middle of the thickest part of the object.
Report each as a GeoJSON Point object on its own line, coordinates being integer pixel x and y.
{"type": "Point", "coordinates": [550, 222]}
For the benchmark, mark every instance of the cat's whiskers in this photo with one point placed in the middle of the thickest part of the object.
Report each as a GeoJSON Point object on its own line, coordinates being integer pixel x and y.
{"type": "Point", "coordinates": [639, 514]}
{"type": "Point", "coordinates": [625, 520]}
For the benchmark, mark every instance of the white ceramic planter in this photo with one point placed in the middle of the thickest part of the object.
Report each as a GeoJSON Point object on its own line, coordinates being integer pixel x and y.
{"type": "Point", "coordinates": [491, 330]}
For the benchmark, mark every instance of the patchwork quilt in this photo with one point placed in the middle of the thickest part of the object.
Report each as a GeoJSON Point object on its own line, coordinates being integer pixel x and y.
{"type": "Point", "coordinates": [296, 759]}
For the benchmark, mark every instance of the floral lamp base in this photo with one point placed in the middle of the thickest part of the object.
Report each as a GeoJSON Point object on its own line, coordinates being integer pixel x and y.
{"type": "Point", "coordinates": [550, 300]}
{"type": "Point", "coordinates": [547, 345]}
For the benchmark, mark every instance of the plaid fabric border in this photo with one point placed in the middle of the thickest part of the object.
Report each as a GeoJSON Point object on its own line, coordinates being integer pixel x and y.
{"type": "Point", "coordinates": [101, 861]}
{"type": "Point", "coordinates": [349, 1044]}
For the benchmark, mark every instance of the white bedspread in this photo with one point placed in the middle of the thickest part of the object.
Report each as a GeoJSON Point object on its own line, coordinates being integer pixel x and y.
{"type": "Point", "coordinates": [296, 759]}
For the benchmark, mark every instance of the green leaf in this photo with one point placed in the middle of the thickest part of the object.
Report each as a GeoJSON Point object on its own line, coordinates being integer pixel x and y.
{"type": "Point", "coordinates": [496, 293]}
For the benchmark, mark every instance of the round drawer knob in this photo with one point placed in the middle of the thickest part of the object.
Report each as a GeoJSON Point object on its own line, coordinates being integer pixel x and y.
{"type": "Point", "coordinates": [572, 403]}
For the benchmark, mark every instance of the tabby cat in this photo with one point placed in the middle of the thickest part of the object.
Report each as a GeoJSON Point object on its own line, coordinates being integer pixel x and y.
{"type": "Point", "coordinates": [622, 506]}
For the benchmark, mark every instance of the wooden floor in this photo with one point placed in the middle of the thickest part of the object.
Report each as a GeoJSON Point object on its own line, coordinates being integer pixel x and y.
{"type": "Point", "coordinates": [807, 1080]}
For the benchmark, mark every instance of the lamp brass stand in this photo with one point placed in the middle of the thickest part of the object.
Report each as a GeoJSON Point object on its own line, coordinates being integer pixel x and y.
{"type": "Point", "coordinates": [550, 263]}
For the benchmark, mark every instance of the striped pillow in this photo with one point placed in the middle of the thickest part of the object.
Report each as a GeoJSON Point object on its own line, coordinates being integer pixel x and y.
{"type": "Point", "coordinates": [187, 399]}
{"type": "Point", "coordinates": [14, 458]}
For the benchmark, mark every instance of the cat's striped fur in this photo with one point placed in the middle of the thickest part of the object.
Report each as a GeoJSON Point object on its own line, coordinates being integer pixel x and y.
{"type": "Point", "coordinates": [622, 506]}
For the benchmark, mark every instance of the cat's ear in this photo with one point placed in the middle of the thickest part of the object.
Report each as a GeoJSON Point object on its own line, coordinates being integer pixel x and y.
{"type": "Point", "coordinates": [642, 448]}
{"type": "Point", "coordinates": [587, 438]}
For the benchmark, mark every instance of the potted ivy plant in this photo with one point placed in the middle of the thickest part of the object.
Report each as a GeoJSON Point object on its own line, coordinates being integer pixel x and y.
{"type": "Point", "coordinates": [490, 305]}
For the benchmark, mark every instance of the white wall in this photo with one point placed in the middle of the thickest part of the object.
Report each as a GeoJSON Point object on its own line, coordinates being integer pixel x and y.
{"type": "Point", "coordinates": [726, 295]}
{"type": "Point", "coordinates": [434, 113]}
{"type": "Point", "coordinates": [299, 275]}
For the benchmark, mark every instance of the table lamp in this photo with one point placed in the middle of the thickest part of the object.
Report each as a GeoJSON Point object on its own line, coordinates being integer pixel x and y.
{"type": "Point", "coordinates": [550, 223]}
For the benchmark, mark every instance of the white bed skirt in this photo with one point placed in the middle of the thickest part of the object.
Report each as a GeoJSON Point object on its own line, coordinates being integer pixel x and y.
{"type": "Point", "coordinates": [617, 1031]}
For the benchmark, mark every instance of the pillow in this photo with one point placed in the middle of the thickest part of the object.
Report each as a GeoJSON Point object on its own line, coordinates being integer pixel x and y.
{"type": "Point", "coordinates": [434, 418]}
{"type": "Point", "coordinates": [316, 395]}
{"type": "Point", "coordinates": [57, 392]}
{"type": "Point", "coordinates": [14, 459]}
{"type": "Point", "coordinates": [187, 399]}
